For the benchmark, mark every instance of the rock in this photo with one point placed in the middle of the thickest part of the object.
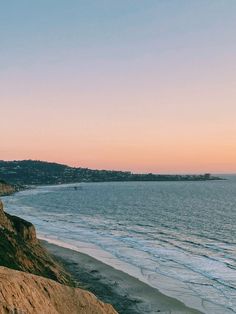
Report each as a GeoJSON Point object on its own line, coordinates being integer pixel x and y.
{"type": "Point", "coordinates": [19, 226]}
{"type": "Point", "coordinates": [23, 293]}
{"type": "Point", "coordinates": [6, 189]}
{"type": "Point", "coordinates": [20, 249]}
{"type": "Point", "coordinates": [23, 228]}
{"type": "Point", "coordinates": [5, 223]}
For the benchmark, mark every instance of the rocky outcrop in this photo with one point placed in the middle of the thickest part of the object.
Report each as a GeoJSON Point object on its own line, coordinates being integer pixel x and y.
{"type": "Point", "coordinates": [23, 228]}
{"type": "Point", "coordinates": [22, 293]}
{"type": "Point", "coordinates": [18, 226]}
{"type": "Point", "coordinates": [20, 249]}
{"type": "Point", "coordinates": [5, 223]}
{"type": "Point", "coordinates": [6, 189]}
{"type": "Point", "coordinates": [25, 293]}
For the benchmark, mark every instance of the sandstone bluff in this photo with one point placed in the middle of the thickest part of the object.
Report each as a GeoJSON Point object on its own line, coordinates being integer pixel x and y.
{"type": "Point", "coordinates": [25, 269]}
{"type": "Point", "coordinates": [23, 293]}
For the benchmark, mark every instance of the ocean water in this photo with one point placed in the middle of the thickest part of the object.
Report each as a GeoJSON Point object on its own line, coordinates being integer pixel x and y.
{"type": "Point", "coordinates": [179, 237]}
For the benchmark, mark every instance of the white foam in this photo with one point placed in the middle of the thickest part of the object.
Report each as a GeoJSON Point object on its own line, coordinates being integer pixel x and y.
{"type": "Point", "coordinates": [175, 262]}
{"type": "Point", "coordinates": [164, 284]}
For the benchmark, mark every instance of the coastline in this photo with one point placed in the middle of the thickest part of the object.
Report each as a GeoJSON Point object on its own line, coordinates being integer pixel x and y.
{"type": "Point", "coordinates": [174, 291]}
{"type": "Point", "coordinates": [127, 294]}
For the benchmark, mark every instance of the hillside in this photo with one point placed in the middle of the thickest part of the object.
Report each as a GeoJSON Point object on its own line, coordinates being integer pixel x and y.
{"type": "Point", "coordinates": [20, 249]}
{"type": "Point", "coordinates": [30, 172]}
{"type": "Point", "coordinates": [26, 293]}
{"type": "Point", "coordinates": [21, 291]}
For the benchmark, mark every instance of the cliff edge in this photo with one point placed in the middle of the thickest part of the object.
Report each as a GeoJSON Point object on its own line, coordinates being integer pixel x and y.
{"type": "Point", "coordinates": [26, 293]}
{"type": "Point", "coordinates": [21, 250]}
{"type": "Point", "coordinates": [26, 287]}
{"type": "Point", "coordinates": [6, 189]}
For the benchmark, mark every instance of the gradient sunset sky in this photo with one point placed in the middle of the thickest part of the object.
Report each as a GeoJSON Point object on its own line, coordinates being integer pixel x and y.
{"type": "Point", "coordinates": [120, 84]}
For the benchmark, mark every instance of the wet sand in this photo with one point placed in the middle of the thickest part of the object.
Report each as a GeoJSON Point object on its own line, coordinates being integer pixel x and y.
{"type": "Point", "coordinates": [127, 294]}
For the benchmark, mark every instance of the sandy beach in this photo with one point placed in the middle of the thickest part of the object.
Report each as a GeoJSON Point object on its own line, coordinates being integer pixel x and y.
{"type": "Point", "coordinates": [127, 294]}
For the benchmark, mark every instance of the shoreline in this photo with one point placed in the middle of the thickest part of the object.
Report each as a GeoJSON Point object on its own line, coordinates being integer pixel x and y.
{"type": "Point", "coordinates": [188, 297]}
{"type": "Point", "coordinates": [127, 294]}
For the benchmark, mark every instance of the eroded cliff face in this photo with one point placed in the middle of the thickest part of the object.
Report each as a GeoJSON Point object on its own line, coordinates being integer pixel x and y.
{"type": "Point", "coordinates": [20, 249]}
{"type": "Point", "coordinates": [23, 293]}
{"type": "Point", "coordinates": [6, 189]}
{"type": "Point", "coordinates": [5, 223]}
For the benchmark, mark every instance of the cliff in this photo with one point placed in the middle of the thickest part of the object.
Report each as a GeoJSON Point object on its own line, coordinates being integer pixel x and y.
{"type": "Point", "coordinates": [6, 189]}
{"type": "Point", "coordinates": [22, 291]}
{"type": "Point", "coordinates": [20, 249]}
{"type": "Point", "coordinates": [26, 293]}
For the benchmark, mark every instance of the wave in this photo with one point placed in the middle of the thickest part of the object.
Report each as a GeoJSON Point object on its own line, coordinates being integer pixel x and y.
{"type": "Point", "coordinates": [164, 244]}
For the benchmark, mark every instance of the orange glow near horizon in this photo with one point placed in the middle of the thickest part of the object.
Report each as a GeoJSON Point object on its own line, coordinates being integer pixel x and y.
{"type": "Point", "coordinates": [138, 91]}
{"type": "Point", "coordinates": [170, 138]}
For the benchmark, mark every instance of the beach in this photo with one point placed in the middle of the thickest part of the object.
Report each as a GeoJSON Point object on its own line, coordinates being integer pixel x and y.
{"type": "Point", "coordinates": [160, 233]}
{"type": "Point", "coordinates": [127, 294]}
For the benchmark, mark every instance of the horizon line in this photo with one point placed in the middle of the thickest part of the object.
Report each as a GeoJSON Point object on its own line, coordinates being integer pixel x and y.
{"type": "Point", "coordinates": [101, 169]}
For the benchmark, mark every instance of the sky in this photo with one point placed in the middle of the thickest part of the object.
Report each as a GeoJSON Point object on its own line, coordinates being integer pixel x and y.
{"type": "Point", "coordinates": [146, 86]}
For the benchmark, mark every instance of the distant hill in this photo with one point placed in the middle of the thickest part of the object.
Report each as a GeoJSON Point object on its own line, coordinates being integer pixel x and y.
{"type": "Point", "coordinates": [34, 172]}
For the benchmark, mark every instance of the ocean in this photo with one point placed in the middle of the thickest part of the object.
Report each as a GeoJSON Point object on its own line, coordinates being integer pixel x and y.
{"type": "Point", "coordinates": [179, 237]}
